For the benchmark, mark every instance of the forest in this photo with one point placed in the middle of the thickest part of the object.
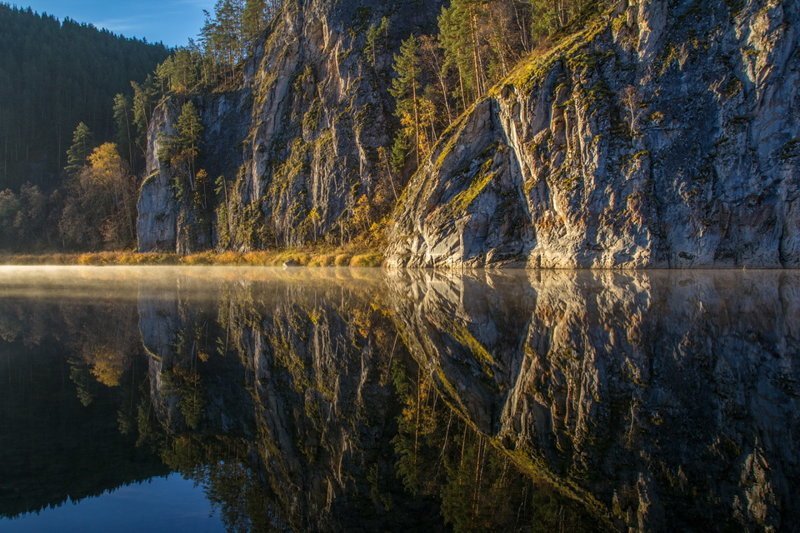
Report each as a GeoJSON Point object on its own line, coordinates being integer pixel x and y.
{"type": "Point", "coordinates": [62, 191]}
{"type": "Point", "coordinates": [53, 75]}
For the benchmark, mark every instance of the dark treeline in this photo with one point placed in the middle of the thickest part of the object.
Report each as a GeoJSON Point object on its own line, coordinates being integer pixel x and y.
{"type": "Point", "coordinates": [53, 75]}
{"type": "Point", "coordinates": [75, 103]}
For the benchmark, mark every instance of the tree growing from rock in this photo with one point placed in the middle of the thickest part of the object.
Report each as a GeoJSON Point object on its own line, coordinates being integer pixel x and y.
{"type": "Point", "coordinates": [633, 108]}
{"type": "Point", "coordinates": [407, 91]}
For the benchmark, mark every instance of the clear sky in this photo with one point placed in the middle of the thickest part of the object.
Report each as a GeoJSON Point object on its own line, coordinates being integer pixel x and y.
{"type": "Point", "coordinates": [169, 21]}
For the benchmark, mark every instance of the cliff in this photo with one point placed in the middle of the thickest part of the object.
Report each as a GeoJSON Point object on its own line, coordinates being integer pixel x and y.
{"type": "Point", "coordinates": [298, 143]}
{"type": "Point", "coordinates": [659, 133]}
{"type": "Point", "coordinates": [663, 134]}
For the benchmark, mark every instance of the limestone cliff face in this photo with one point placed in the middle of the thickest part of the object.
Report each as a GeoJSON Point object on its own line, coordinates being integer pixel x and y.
{"type": "Point", "coordinates": [665, 134]}
{"type": "Point", "coordinates": [299, 142]}
{"type": "Point", "coordinates": [164, 222]}
{"type": "Point", "coordinates": [156, 226]}
{"type": "Point", "coordinates": [662, 134]}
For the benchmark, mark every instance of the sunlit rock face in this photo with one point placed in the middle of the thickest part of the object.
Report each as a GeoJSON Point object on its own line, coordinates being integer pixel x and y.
{"type": "Point", "coordinates": [665, 400]}
{"type": "Point", "coordinates": [664, 134]}
{"type": "Point", "coordinates": [298, 143]}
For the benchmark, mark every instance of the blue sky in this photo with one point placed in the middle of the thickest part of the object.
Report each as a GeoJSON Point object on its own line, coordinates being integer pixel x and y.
{"type": "Point", "coordinates": [169, 21]}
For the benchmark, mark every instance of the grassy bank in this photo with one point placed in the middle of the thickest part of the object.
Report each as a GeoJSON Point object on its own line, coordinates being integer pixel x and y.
{"type": "Point", "coordinates": [315, 257]}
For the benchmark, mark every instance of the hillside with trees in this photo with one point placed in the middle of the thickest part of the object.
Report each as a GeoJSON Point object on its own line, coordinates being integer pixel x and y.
{"type": "Point", "coordinates": [76, 103]}
{"type": "Point", "coordinates": [407, 72]}
{"type": "Point", "coordinates": [53, 75]}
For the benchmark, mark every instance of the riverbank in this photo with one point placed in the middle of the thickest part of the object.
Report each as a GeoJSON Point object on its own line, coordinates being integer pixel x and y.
{"type": "Point", "coordinates": [316, 257]}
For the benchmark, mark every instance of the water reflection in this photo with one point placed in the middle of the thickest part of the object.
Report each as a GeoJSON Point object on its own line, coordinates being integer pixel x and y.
{"type": "Point", "coordinates": [352, 399]}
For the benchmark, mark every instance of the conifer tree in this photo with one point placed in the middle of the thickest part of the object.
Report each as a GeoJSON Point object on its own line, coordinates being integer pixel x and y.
{"type": "Point", "coordinates": [144, 97]}
{"type": "Point", "coordinates": [376, 40]}
{"type": "Point", "coordinates": [406, 91]}
{"type": "Point", "coordinates": [454, 38]}
{"type": "Point", "coordinates": [190, 132]}
{"type": "Point", "coordinates": [80, 149]}
{"type": "Point", "coordinates": [459, 28]}
{"type": "Point", "coordinates": [123, 121]}
{"type": "Point", "coordinates": [254, 19]}
{"type": "Point", "coordinates": [223, 33]}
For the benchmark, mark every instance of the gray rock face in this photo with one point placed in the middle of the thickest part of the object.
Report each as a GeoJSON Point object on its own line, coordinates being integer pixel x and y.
{"type": "Point", "coordinates": [664, 135]}
{"type": "Point", "coordinates": [156, 226]}
{"type": "Point", "coordinates": [164, 223]}
{"type": "Point", "coordinates": [299, 142]}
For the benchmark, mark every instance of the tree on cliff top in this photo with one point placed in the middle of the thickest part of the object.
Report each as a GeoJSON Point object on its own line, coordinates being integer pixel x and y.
{"type": "Point", "coordinates": [183, 149]}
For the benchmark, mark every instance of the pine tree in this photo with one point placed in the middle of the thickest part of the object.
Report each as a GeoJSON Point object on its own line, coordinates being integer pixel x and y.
{"type": "Point", "coordinates": [124, 128]}
{"type": "Point", "coordinates": [80, 149]}
{"type": "Point", "coordinates": [254, 19]}
{"type": "Point", "coordinates": [376, 40]}
{"type": "Point", "coordinates": [454, 38]}
{"type": "Point", "coordinates": [459, 26]}
{"type": "Point", "coordinates": [223, 33]}
{"type": "Point", "coordinates": [144, 97]}
{"type": "Point", "coordinates": [406, 91]}
{"type": "Point", "coordinates": [190, 132]}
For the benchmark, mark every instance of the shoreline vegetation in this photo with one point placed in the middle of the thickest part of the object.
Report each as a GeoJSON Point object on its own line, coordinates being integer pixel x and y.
{"type": "Point", "coordinates": [310, 257]}
{"type": "Point", "coordinates": [302, 257]}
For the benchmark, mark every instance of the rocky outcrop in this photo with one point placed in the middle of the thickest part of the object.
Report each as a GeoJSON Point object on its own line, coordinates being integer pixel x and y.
{"type": "Point", "coordinates": [166, 223]}
{"type": "Point", "coordinates": [663, 134]}
{"type": "Point", "coordinates": [156, 226]}
{"type": "Point", "coordinates": [298, 143]}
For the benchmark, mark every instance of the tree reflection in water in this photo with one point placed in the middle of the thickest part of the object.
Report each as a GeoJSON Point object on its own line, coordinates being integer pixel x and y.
{"type": "Point", "coordinates": [353, 399]}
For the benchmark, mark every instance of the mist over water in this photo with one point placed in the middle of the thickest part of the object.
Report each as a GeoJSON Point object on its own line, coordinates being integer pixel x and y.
{"type": "Point", "coordinates": [336, 399]}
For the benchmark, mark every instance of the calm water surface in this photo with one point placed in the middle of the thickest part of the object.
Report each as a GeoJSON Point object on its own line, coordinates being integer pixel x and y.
{"type": "Point", "coordinates": [136, 399]}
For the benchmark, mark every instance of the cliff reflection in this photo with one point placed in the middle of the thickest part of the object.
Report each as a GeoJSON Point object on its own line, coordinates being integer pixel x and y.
{"type": "Point", "coordinates": [664, 400]}
{"type": "Point", "coordinates": [349, 399]}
